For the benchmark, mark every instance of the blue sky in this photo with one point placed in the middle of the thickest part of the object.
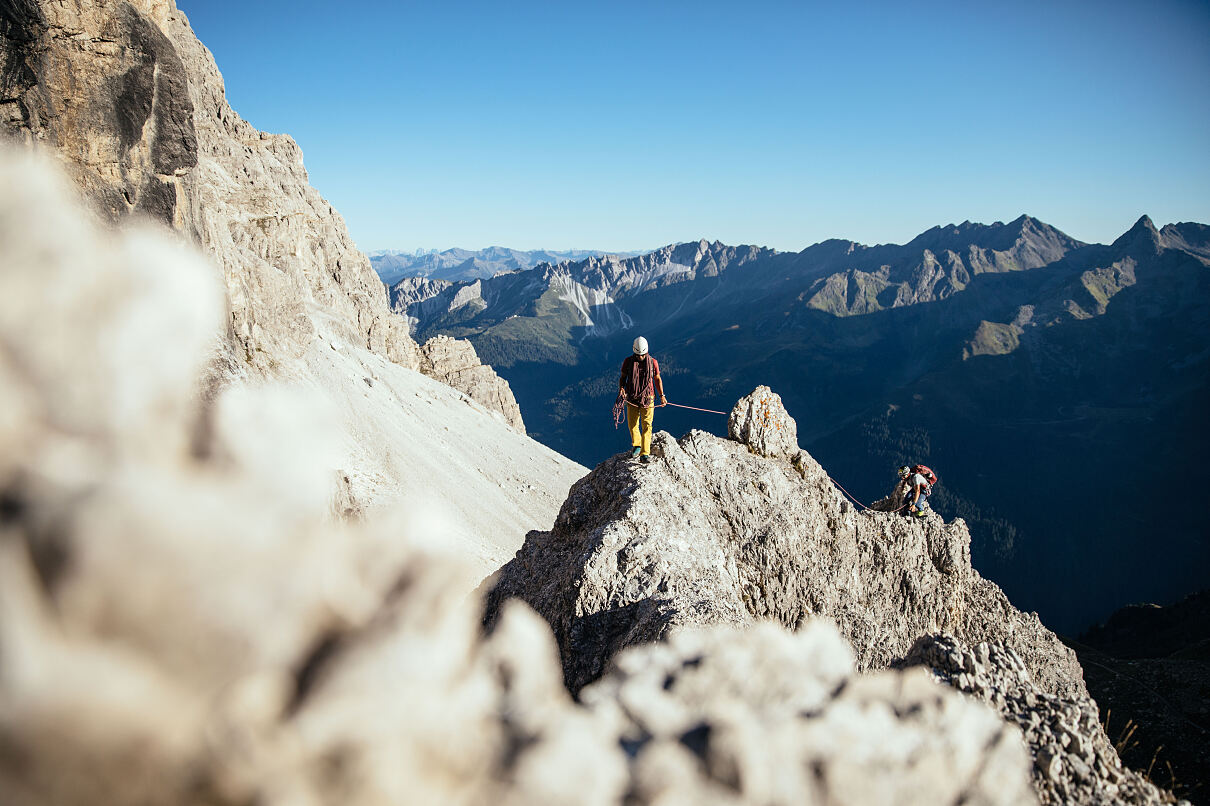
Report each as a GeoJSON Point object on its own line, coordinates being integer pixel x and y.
{"type": "Point", "coordinates": [630, 125]}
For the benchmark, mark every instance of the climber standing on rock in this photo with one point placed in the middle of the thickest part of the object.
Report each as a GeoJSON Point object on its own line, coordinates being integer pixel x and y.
{"type": "Point", "coordinates": [638, 387]}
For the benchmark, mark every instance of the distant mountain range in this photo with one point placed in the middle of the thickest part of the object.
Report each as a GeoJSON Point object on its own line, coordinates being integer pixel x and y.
{"type": "Point", "coordinates": [1059, 388]}
{"type": "Point", "coordinates": [465, 264]}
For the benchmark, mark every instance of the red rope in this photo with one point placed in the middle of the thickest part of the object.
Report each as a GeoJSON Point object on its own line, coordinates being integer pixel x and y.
{"type": "Point", "coordinates": [619, 406]}
{"type": "Point", "coordinates": [695, 408]}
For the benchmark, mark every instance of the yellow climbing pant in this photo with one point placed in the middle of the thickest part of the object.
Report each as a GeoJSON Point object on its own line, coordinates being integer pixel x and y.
{"type": "Point", "coordinates": [634, 416]}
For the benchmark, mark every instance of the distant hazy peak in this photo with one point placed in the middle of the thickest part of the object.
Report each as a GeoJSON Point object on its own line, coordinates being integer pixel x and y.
{"type": "Point", "coordinates": [998, 236]}
{"type": "Point", "coordinates": [463, 264]}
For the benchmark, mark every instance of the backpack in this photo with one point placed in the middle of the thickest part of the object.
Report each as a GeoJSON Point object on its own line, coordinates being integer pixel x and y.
{"type": "Point", "coordinates": [928, 474]}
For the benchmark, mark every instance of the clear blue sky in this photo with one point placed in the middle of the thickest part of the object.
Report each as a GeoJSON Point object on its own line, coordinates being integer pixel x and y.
{"type": "Point", "coordinates": [620, 125]}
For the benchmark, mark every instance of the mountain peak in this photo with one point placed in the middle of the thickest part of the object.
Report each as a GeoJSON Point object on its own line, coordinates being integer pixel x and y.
{"type": "Point", "coordinates": [1143, 235]}
{"type": "Point", "coordinates": [1144, 222]}
{"type": "Point", "coordinates": [1023, 232]}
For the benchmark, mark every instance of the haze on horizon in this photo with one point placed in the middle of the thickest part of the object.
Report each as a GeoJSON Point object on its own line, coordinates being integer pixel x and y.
{"type": "Point", "coordinates": [631, 125]}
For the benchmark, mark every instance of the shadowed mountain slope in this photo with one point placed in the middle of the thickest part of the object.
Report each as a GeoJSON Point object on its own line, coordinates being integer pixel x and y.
{"type": "Point", "coordinates": [1032, 370]}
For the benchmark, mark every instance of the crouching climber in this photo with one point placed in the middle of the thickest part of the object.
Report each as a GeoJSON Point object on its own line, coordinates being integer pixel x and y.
{"type": "Point", "coordinates": [913, 490]}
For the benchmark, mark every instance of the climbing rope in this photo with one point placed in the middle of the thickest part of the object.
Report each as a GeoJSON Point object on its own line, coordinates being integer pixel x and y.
{"type": "Point", "coordinates": [619, 408]}
{"type": "Point", "coordinates": [694, 408]}
{"type": "Point", "coordinates": [863, 506]}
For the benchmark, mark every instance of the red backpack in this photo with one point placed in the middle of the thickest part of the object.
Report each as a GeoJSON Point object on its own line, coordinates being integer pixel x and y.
{"type": "Point", "coordinates": [928, 474]}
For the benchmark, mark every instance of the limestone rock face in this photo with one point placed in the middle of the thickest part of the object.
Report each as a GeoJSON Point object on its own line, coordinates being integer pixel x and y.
{"type": "Point", "coordinates": [714, 533]}
{"type": "Point", "coordinates": [182, 622]}
{"type": "Point", "coordinates": [1074, 760]}
{"type": "Point", "coordinates": [411, 291]}
{"type": "Point", "coordinates": [135, 107]}
{"type": "Point", "coordinates": [455, 363]}
{"type": "Point", "coordinates": [760, 421]}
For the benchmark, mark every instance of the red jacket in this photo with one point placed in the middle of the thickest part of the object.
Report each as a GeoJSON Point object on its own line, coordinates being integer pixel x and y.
{"type": "Point", "coordinates": [641, 380]}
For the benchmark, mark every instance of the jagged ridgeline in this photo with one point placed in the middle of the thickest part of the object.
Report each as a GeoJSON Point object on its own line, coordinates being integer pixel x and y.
{"type": "Point", "coordinates": [750, 530]}
{"type": "Point", "coordinates": [1058, 387]}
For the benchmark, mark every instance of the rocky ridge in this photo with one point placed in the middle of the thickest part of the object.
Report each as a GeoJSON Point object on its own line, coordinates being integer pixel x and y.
{"type": "Point", "coordinates": [589, 289]}
{"type": "Point", "coordinates": [466, 264]}
{"type": "Point", "coordinates": [718, 533]}
{"type": "Point", "coordinates": [735, 534]}
{"type": "Point", "coordinates": [932, 266]}
{"type": "Point", "coordinates": [181, 622]}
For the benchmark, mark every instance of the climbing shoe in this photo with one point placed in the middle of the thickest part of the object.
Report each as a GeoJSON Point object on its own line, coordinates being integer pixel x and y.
{"type": "Point", "coordinates": [645, 458]}
{"type": "Point", "coordinates": [634, 453]}
{"type": "Point", "coordinates": [918, 513]}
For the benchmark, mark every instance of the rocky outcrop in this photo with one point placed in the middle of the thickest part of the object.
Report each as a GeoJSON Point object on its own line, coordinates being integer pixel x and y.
{"type": "Point", "coordinates": [760, 421]}
{"type": "Point", "coordinates": [134, 105]}
{"type": "Point", "coordinates": [715, 533]}
{"type": "Point", "coordinates": [454, 362]}
{"type": "Point", "coordinates": [182, 621]}
{"type": "Point", "coordinates": [1074, 761]}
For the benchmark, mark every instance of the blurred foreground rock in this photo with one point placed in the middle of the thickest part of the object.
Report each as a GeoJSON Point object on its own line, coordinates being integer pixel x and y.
{"type": "Point", "coordinates": [760, 715]}
{"type": "Point", "coordinates": [182, 621]}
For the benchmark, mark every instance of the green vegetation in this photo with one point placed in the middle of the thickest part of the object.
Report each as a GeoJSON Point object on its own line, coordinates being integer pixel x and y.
{"type": "Point", "coordinates": [992, 338]}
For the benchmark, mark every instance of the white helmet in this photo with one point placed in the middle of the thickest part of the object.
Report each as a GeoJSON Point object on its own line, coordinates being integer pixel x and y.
{"type": "Point", "coordinates": [640, 346]}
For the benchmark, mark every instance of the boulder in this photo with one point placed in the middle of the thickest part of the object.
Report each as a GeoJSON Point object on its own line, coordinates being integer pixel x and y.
{"type": "Point", "coordinates": [761, 422]}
